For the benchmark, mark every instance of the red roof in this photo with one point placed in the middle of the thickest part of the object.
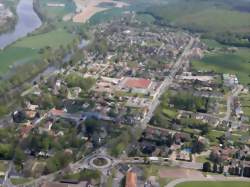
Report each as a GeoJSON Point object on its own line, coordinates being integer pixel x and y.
{"type": "Point", "coordinates": [137, 83]}
{"type": "Point", "coordinates": [131, 179]}
{"type": "Point", "coordinates": [55, 112]}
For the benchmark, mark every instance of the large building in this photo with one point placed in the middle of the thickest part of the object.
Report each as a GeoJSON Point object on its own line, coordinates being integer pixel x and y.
{"type": "Point", "coordinates": [136, 85]}
{"type": "Point", "coordinates": [131, 179]}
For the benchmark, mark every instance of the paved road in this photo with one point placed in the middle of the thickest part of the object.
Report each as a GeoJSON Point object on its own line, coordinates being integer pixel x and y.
{"type": "Point", "coordinates": [167, 82]}
{"type": "Point", "coordinates": [235, 92]}
{"type": "Point", "coordinates": [210, 178]}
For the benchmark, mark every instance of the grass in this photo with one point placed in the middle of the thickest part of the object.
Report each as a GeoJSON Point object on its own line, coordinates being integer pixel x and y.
{"type": "Point", "coordinates": [16, 55]}
{"type": "Point", "coordinates": [153, 170]}
{"type": "Point", "coordinates": [57, 12]}
{"type": "Point", "coordinates": [19, 181]}
{"type": "Point", "coordinates": [214, 184]}
{"type": "Point", "coordinates": [53, 39]}
{"type": "Point", "coordinates": [26, 50]}
{"type": "Point", "coordinates": [216, 20]}
{"type": "Point", "coordinates": [235, 63]}
{"type": "Point", "coordinates": [105, 15]}
{"type": "Point", "coordinates": [245, 104]}
{"type": "Point", "coordinates": [202, 159]}
{"type": "Point", "coordinates": [208, 16]}
{"type": "Point", "coordinates": [3, 166]}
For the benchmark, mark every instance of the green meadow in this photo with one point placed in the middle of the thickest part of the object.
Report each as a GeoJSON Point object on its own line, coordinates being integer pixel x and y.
{"type": "Point", "coordinates": [26, 49]}
{"type": "Point", "coordinates": [57, 12]}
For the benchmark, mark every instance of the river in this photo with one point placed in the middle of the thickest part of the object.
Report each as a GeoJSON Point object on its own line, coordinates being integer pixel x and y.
{"type": "Point", "coordinates": [28, 21]}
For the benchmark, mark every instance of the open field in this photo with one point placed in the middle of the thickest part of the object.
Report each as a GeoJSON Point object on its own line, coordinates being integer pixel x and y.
{"type": "Point", "coordinates": [208, 16]}
{"type": "Point", "coordinates": [179, 173]}
{"type": "Point", "coordinates": [236, 63]}
{"type": "Point", "coordinates": [87, 8]}
{"type": "Point", "coordinates": [57, 11]}
{"type": "Point", "coordinates": [53, 39]}
{"type": "Point", "coordinates": [214, 184]}
{"type": "Point", "coordinates": [26, 49]}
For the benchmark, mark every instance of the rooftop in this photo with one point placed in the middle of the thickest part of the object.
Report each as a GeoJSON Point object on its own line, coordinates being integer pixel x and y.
{"type": "Point", "coordinates": [137, 83]}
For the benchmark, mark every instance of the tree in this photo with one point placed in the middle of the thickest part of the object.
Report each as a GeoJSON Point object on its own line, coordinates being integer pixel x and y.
{"type": "Point", "coordinates": [19, 157]}
{"type": "Point", "coordinates": [215, 168]}
{"type": "Point", "coordinates": [206, 167]}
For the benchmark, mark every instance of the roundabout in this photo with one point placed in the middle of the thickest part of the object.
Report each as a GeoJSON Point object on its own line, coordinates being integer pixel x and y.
{"type": "Point", "coordinates": [100, 162]}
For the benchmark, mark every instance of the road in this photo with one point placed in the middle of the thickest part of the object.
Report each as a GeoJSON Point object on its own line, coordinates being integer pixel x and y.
{"type": "Point", "coordinates": [167, 82]}
{"type": "Point", "coordinates": [235, 92]}
{"type": "Point", "coordinates": [83, 163]}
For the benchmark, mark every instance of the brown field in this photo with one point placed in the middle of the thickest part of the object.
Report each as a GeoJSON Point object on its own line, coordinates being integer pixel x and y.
{"type": "Point", "coordinates": [179, 173]}
{"type": "Point", "coordinates": [87, 8]}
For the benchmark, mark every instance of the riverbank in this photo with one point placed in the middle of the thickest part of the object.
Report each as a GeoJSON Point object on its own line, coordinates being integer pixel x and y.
{"type": "Point", "coordinates": [8, 23]}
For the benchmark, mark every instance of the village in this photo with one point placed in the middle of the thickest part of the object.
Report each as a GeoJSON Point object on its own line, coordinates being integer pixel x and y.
{"type": "Point", "coordinates": [102, 103]}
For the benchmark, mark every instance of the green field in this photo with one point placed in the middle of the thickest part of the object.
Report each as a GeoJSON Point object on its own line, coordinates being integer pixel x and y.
{"type": "Point", "coordinates": [236, 63]}
{"type": "Point", "coordinates": [105, 15]}
{"type": "Point", "coordinates": [208, 16]}
{"type": "Point", "coordinates": [26, 49]}
{"type": "Point", "coordinates": [53, 39]}
{"type": "Point", "coordinates": [57, 12]}
{"type": "Point", "coordinates": [214, 184]}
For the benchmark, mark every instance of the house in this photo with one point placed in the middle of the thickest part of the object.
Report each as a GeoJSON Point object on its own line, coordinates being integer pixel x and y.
{"type": "Point", "coordinates": [131, 179]}
{"type": "Point", "coordinates": [46, 127]}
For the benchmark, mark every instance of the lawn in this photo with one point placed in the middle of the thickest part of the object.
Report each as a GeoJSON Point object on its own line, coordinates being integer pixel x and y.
{"type": "Point", "coordinates": [19, 181]}
{"type": "Point", "coordinates": [214, 184]}
{"type": "Point", "coordinates": [235, 63]}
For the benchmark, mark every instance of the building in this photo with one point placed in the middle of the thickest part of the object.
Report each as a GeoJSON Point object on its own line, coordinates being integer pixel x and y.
{"type": "Point", "coordinates": [136, 85]}
{"type": "Point", "coordinates": [131, 179]}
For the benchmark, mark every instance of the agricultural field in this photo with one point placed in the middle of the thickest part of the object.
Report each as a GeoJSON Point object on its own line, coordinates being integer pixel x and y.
{"type": "Point", "coordinates": [236, 63]}
{"type": "Point", "coordinates": [214, 184]}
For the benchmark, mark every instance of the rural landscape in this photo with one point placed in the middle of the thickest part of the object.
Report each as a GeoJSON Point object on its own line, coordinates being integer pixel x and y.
{"type": "Point", "coordinates": [124, 93]}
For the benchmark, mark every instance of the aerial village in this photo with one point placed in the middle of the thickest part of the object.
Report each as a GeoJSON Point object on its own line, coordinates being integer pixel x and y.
{"type": "Point", "coordinates": [104, 104]}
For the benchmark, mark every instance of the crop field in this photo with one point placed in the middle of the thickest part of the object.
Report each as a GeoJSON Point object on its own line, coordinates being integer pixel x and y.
{"type": "Point", "coordinates": [214, 184]}
{"type": "Point", "coordinates": [236, 63]}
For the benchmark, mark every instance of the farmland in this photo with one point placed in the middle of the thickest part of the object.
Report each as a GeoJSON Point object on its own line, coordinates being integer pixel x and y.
{"type": "Point", "coordinates": [214, 184]}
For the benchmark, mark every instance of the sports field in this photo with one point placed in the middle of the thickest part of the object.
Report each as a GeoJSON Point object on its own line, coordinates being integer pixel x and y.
{"type": "Point", "coordinates": [214, 184]}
